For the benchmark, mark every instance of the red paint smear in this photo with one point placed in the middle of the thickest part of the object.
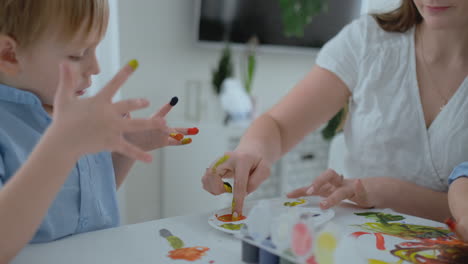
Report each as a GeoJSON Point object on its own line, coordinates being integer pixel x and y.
{"type": "Point", "coordinates": [301, 240]}
{"type": "Point", "coordinates": [380, 241]}
{"type": "Point", "coordinates": [450, 222]}
{"type": "Point", "coordinates": [212, 261]}
{"type": "Point", "coordinates": [193, 131]}
{"type": "Point", "coordinates": [189, 254]}
{"type": "Point", "coordinates": [228, 218]}
{"type": "Point", "coordinates": [311, 260]}
{"type": "Point", "coordinates": [358, 234]}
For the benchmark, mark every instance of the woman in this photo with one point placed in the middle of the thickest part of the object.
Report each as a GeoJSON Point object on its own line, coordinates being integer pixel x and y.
{"type": "Point", "coordinates": [403, 74]}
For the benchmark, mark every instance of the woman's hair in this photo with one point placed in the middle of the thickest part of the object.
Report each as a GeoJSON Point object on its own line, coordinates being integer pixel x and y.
{"type": "Point", "coordinates": [27, 20]}
{"type": "Point", "coordinates": [400, 19]}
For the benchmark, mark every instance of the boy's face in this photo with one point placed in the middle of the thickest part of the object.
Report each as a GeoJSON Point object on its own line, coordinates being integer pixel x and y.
{"type": "Point", "coordinates": [39, 64]}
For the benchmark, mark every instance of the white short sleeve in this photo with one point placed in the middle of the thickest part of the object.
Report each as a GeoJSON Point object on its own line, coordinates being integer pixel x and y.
{"type": "Point", "coordinates": [342, 54]}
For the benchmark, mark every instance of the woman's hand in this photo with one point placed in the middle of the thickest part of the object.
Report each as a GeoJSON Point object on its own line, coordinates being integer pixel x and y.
{"type": "Point", "coordinates": [248, 171]}
{"type": "Point", "coordinates": [335, 188]}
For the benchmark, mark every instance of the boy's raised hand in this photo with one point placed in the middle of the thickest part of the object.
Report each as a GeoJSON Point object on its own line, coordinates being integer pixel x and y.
{"type": "Point", "coordinates": [96, 124]}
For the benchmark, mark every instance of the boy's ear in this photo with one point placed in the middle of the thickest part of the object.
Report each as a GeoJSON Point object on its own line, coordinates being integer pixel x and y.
{"type": "Point", "coordinates": [8, 55]}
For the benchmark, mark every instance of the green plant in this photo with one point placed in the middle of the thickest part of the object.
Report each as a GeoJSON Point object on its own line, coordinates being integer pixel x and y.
{"type": "Point", "coordinates": [223, 71]}
{"type": "Point", "coordinates": [250, 64]}
{"type": "Point", "coordinates": [297, 14]}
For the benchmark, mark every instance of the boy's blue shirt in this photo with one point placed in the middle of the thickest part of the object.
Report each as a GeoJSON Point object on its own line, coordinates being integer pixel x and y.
{"type": "Point", "coordinates": [87, 201]}
{"type": "Point", "coordinates": [460, 171]}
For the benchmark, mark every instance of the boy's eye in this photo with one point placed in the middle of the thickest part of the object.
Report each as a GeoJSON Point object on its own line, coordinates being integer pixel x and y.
{"type": "Point", "coordinates": [75, 58]}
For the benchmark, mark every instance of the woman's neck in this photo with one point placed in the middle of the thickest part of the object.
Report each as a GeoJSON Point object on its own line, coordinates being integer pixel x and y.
{"type": "Point", "coordinates": [442, 46]}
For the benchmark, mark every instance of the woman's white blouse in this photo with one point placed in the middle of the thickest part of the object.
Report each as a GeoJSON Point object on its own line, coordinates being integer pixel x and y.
{"type": "Point", "coordinates": [385, 132]}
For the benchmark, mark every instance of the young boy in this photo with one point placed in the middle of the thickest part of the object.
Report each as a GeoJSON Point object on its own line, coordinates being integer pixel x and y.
{"type": "Point", "coordinates": [458, 197]}
{"type": "Point", "coordinates": [55, 179]}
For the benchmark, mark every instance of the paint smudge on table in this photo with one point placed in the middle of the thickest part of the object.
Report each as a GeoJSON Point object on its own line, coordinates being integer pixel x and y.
{"type": "Point", "coordinates": [189, 254]}
{"type": "Point", "coordinates": [181, 252]}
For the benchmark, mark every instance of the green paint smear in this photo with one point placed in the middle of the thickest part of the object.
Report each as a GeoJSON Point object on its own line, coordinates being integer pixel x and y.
{"type": "Point", "coordinates": [381, 217]}
{"type": "Point", "coordinates": [232, 226]}
{"type": "Point", "coordinates": [405, 231]}
{"type": "Point", "coordinates": [295, 203]}
{"type": "Point", "coordinates": [175, 242]}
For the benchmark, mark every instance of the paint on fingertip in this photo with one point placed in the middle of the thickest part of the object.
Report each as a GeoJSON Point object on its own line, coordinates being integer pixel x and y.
{"type": "Point", "coordinates": [227, 187]}
{"type": "Point", "coordinates": [193, 131]}
{"type": "Point", "coordinates": [174, 101]}
{"type": "Point", "coordinates": [220, 161]}
{"type": "Point", "coordinates": [186, 141]}
{"type": "Point", "coordinates": [176, 136]}
{"type": "Point", "coordinates": [133, 64]}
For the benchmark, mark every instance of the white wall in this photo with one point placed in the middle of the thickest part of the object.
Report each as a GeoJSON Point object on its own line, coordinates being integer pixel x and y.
{"type": "Point", "coordinates": [159, 34]}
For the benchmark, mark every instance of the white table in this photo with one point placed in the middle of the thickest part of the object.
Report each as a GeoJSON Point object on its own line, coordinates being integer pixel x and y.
{"type": "Point", "coordinates": [141, 243]}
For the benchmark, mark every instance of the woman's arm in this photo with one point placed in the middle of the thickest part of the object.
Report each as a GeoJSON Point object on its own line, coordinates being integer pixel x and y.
{"type": "Point", "coordinates": [314, 101]}
{"type": "Point", "coordinates": [408, 198]}
{"type": "Point", "coordinates": [319, 96]}
{"type": "Point", "coordinates": [458, 197]}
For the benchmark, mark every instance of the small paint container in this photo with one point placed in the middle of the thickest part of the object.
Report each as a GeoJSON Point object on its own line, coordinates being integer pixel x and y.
{"type": "Point", "coordinates": [250, 253]}
{"type": "Point", "coordinates": [266, 257]}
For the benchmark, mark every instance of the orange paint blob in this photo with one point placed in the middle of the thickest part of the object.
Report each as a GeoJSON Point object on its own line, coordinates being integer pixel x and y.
{"type": "Point", "coordinates": [189, 254]}
{"type": "Point", "coordinates": [228, 218]}
{"type": "Point", "coordinates": [176, 136]}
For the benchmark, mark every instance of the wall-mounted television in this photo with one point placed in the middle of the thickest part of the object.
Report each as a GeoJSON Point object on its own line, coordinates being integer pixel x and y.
{"type": "Point", "coordinates": [236, 21]}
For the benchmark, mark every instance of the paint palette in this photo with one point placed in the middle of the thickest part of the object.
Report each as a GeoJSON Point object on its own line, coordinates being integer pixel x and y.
{"type": "Point", "coordinates": [220, 219]}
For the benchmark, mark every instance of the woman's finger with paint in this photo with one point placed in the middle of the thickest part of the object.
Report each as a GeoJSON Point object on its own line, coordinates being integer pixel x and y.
{"type": "Point", "coordinates": [243, 165]}
{"type": "Point", "coordinates": [212, 183]}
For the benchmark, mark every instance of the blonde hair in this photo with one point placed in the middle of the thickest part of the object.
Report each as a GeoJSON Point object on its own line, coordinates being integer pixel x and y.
{"type": "Point", "coordinates": [27, 20]}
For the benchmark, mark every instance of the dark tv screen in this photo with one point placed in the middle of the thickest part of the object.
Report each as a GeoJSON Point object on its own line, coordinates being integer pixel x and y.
{"type": "Point", "coordinates": [236, 21]}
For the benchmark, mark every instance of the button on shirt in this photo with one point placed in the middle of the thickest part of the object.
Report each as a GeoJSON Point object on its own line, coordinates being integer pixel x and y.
{"type": "Point", "coordinates": [87, 201]}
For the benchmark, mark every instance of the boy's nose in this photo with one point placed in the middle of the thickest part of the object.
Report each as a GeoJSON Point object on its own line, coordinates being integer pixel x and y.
{"type": "Point", "coordinates": [94, 68]}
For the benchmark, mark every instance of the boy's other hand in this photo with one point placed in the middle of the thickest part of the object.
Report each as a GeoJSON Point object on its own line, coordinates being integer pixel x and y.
{"type": "Point", "coordinates": [152, 139]}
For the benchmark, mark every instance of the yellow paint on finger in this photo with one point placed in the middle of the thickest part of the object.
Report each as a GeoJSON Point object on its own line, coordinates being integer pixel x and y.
{"type": "Point", "coordinates": [227, 187]}
{"type": "Point", "coordinates": [186, 141]}
{"type": "Point", "coordinates": [220, 161]}
{"type": "Point", "coordinates": [134, 64]}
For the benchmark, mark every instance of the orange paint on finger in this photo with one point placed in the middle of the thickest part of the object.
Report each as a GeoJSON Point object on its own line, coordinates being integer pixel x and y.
{"type": "Point", "coordinates": [176, 136]}
{"type": "Point", "coordinates": [228, 218]}
{"type": "Point", "coordinates": [186, 141]}
{"type": "Point", "coordinates": [189, 254]}
{"type": "Point", "coordinates": [192, 131]}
